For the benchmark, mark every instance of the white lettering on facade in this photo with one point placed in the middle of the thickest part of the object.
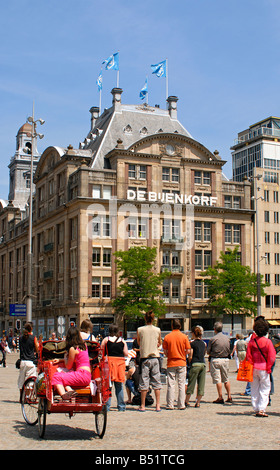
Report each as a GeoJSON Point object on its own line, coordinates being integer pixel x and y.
{"type": "Point", "coordinates": [173, 198]}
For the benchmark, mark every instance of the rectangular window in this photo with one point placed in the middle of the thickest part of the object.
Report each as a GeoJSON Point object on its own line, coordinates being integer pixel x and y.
{"type": "Point", "coordinates": [228, 234]}
{"type": "Point", "coordinates": [106, 257]}
{"type": "Point", "coordinates": [132, 227]}
{"type": "Point", "coordinates": [266, 195]}
{"type": "Point", "coordinates": [266, 216]}
{"type": "Point", "coordinates": [206, 177]}
{"type": "Point", "coordinates": [165, 174]}
{"type": "Point", "coordinates": [236, 202]}
{"type": "Point", "coordinates": [142, 228]}
{"type": "Point", "coordinates": [106, 226]}
{"type": "Point", "coordinates": [207, 232]}
{"type": "Point", "coordinates": [166, 288]}
{"type": "Point", "coordinates": [106, 288]}
{"type": "Point", "coordinates": [236, 234]}
{"type": "Point", "coordinates": [143, 172]}
{"type": "Point", "coordinates": [96, 287]}
{"type": "Point", "coordinates": [198, 259]}
{"type": "Point", "coordinates": [96, 256]}
{"type": "Point", "coordinates": [166, 258]}
{"type": "Point", "coordinates": [228, 201]}
{"type": "Point", "coordinates": [96, 191]}
{"type": "Point", "coordinates": [198, 231]}
{"type": "Point", "coordinates": [132, 171]}
{"type": "Point", "coordinates": [175, 175]}
{"type": "Point", "coordinates": [96, 226]}
{"type": "Point", "coordinates": [197, 177]}
{"type": "Point", "coordinates": [175, 289]}
{"type": "Point", "coordinates": [107, 192]}
{"type": "Point", "coordinates": [198, 288]}
{"type": "Point", "coordinates": [207, 259]}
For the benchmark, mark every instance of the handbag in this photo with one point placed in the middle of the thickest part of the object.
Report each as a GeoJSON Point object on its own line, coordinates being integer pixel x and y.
{"type": "Point", "coordinates": [245, 371]}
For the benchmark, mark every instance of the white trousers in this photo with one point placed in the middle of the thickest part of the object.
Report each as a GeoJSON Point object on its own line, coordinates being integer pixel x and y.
{"type": "Point", "coordinates": [176, 374]}
{"type": "Point", "coordinates": [260, 388]}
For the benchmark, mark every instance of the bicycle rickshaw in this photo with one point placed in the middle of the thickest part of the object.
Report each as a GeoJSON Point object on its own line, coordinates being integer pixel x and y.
{"type": "Point", "coordinates": [91, 399]}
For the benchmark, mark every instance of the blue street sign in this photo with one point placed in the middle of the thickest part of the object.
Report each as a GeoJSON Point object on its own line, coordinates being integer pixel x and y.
{"type": "Point", "coordinates": [17, 310]}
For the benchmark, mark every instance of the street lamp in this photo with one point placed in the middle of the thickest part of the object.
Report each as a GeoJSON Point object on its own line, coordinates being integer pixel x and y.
{"type": "Point", "coordinates": [256, 189]}
{"type": "Point", "coordinates": [34, 135]}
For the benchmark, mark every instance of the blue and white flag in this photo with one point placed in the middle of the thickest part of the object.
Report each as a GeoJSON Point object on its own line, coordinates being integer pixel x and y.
{"type": "Point", "coordinates": [112, 63]}
{"type": "Point", "coordinates": [159, 69]}
{"type": "Point", "coordinates": [144, 90]}
{"type": "Point", "coordinates": [99, 81]}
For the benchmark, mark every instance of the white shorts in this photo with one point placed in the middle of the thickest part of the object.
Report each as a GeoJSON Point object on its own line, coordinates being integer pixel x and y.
{"type": "Point", "coordinates": [27, 369]}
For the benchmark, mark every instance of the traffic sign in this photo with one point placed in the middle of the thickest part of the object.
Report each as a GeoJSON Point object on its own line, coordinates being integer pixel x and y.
{"type": "Point", "coordinates": [17, 310]}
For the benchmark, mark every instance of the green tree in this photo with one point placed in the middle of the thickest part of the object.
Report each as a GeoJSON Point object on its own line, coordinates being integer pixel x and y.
{"type": "Point", "coordinates": [140, 287]}
{"type": "Point", "coordinates": [232, 286]}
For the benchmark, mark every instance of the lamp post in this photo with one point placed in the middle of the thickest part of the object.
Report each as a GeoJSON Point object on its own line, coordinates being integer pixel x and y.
{"type": "Point", "coordinates": [255, 178]}
{"type": "Point", "coordinates": [34, 135]}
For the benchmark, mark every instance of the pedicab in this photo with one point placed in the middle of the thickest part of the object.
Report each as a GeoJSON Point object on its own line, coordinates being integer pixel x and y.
{"type": "Point", "coordinates": [91, 399]}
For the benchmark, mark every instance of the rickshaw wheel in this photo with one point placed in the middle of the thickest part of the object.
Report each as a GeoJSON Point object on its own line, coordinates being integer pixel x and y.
{"type": "Point", "coordinates": [101, 422]}
{"type": "Point", "coordinates": [29, 401]}
{"type": "Point", "coordinates": [42, 416]}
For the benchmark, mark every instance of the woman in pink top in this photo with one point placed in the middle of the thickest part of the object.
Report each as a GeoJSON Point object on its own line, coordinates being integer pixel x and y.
{"type": "Point", "coordinates": [77, 373]}
{"type": "Point", "coordinates": [261, 353]}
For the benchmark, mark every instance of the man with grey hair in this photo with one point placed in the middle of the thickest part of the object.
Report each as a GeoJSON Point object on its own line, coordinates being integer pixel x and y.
{"type": "Point", "coordinates": [218, 350]}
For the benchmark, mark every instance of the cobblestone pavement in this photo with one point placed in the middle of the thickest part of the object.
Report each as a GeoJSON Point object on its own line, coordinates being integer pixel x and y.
{"type": "Point", "coordinates": [210, 427]}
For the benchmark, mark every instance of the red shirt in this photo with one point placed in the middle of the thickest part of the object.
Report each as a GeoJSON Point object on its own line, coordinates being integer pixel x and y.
{"type": "Point", "coordinates": [176, 344]}
{"type": "Point", "coordinates": [255, 357]}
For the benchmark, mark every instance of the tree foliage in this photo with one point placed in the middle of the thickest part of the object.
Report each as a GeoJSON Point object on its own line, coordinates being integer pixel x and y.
{"type": "Point", "coordinates": [140, 287]}
{"type": "Point", "coordinates": [232, 286]}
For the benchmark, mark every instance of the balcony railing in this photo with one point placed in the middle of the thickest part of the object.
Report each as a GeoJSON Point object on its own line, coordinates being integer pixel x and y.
{"type": "Point", "coordinates": [173, 269]}
{"type": "Point", "coordinates": [173, 239]}
{"type": "Point", "coordinates": [262, 131]}
{"type": "Point", "coordinates": [172, 300]}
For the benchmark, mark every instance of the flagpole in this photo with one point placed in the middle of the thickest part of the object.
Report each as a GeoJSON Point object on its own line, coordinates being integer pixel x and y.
{"type": "Point", "coordinates": [100, 102]}
{"type": "Point", "coordinates": [166, 78]}
{"type": "Point", "coordinates": [118, 78]}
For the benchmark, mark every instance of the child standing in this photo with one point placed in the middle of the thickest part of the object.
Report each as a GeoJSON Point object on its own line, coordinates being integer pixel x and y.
{"type": "Point", "coordinates": [77, 363]}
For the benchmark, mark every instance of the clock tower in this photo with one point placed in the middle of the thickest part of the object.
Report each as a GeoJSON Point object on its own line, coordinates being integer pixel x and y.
{"type": "Point", "coordinates": [19, 189]}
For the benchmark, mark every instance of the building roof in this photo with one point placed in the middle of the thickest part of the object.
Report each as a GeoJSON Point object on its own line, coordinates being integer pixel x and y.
{"type": "Point", "coordinates": [26, 128]}
{"type": "Point", "coordinates": [128, 123]}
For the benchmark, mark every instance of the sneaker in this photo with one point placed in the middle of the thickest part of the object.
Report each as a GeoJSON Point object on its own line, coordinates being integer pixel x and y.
{"type": "Point", "coordinates": [219, 400]}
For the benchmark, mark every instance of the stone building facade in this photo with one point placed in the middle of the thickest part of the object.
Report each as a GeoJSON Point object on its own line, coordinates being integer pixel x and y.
{"type": "Point", "coordinates": [138, 179]}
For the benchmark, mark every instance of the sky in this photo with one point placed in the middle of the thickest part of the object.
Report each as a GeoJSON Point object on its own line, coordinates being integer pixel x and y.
{"type": "Point", "coordinates": [223, 65]}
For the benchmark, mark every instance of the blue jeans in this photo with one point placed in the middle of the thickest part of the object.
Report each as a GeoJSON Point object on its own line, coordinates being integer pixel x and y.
{"type": "Point", "coordinates": [119, 395]}
{"type": "Point", "coordinates": [131, 386]}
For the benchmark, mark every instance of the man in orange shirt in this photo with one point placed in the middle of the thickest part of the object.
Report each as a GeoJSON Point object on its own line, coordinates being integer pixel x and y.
{"type": "Point", "coordinates": [176, 346]}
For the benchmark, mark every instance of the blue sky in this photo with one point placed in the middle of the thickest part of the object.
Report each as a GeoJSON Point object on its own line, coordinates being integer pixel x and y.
{"type": "Point", "coordinates": [222, 57]}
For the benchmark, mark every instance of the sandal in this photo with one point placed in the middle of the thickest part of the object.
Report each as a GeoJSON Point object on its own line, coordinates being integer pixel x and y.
{"type": "Point", "coordinates": [261, 414]}
{"type": "Point", "coordinates": [69, 395]}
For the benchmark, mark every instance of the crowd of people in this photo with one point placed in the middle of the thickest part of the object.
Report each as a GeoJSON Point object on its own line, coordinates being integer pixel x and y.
{"type": "Point", "coordinates": [186, 364]}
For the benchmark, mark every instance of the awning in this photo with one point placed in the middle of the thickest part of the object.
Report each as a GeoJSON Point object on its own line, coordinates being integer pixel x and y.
{"type": "Point", "coordinates": [274, 322]}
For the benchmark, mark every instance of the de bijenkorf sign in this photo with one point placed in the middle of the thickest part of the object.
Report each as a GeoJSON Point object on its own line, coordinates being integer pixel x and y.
{"type": "Point", "coordinates": [17, 310]}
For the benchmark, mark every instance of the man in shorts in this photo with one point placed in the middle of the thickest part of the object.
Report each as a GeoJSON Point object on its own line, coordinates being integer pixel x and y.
{"type": "Point", "coordinates": [219, 350]}
{"type": "Point", "coordinates": [149, 340]}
